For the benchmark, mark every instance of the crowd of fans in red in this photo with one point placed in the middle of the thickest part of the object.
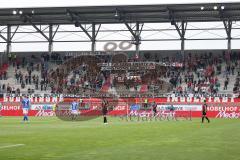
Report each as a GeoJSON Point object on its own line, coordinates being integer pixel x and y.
{"type": "Point", "coordinates": [201, 74]}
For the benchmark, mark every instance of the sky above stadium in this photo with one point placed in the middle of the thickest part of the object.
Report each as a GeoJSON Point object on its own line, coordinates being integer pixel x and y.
{"type": "Point", "coordinates": [62, 3]}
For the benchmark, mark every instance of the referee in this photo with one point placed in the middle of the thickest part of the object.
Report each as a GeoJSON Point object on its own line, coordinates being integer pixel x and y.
{"type": "Point", "coordinates": [204, 112]}
{"type": "Point", "coordinates": [104, 110]}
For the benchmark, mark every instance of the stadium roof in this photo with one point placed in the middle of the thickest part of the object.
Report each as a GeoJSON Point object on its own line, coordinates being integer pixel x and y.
{"type": "Point", "coordinates": [121, 14]}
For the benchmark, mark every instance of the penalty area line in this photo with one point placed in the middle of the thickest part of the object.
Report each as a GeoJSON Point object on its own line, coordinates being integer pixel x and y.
{"type": "Point", "coordinates": [10, 146]}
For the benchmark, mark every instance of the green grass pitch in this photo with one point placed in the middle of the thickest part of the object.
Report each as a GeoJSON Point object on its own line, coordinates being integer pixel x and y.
{"type": "Point", "coordinates": [52, 139]}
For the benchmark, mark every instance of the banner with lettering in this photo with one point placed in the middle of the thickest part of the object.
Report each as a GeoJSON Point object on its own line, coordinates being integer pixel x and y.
{"type": "Point", "coordinates": [218, 107]}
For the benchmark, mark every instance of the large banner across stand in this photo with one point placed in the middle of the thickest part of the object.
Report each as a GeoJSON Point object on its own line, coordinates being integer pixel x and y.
{"type": "Point", "coordinates": [218, 107]}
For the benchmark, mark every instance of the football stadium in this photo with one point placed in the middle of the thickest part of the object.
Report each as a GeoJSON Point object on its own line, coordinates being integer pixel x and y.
{"type": "Point", "coordinates": [119, 80]}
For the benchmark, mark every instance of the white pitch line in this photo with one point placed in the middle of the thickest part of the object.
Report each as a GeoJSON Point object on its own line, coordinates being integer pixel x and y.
{"type": "Point", "coordinates": [10, 146]}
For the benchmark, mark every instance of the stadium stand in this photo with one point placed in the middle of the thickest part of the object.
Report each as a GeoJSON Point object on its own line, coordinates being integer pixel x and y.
{"type": "Point", "coordinates": [205, 73]}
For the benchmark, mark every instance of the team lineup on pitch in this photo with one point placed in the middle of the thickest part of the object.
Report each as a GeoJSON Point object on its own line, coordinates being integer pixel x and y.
{"type": "Point", "coordinates": [74, 112]}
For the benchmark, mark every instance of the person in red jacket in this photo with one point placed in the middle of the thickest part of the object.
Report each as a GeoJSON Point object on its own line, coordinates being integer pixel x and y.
{"type": "Point", "coordinates": [204, 112]}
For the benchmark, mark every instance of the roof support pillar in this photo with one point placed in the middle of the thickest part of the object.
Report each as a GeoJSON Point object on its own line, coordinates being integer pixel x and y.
{"type": "Point", "coordinates": [93, 39]}
{"type": "Point", "coordinates": [181, 29]}
{"type": "Point", "coordinates": [50, 41]}
{"type": "Point", "coordinates": [136, 36]}
{"type": "Point", "coordinates": [8, 47]}
{"type": "Point", "coordinates": [137, 39]}
{"type": "Point", "coordinates": [228, 28]}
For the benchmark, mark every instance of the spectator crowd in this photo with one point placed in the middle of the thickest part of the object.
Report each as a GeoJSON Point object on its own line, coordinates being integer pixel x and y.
{"type": "Point", "coordinates": [199, 74]}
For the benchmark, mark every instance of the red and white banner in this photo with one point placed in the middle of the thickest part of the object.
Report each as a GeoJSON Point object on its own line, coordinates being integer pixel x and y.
{"type": "Point", "coordinates": [217, 107]}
